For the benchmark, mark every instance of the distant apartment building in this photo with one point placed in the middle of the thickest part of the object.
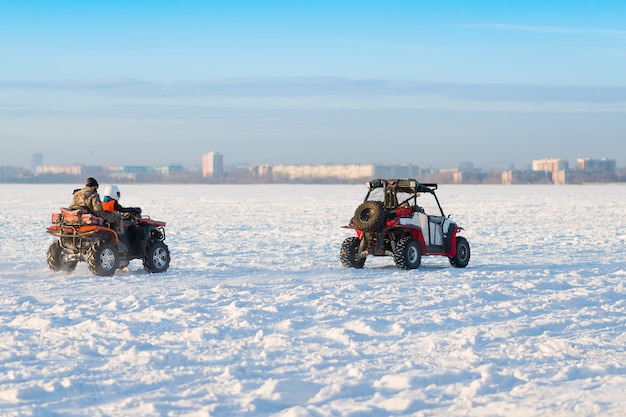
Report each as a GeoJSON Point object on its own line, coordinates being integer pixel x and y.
{"type": "Point", "coordinates": [107, 171]}
{"type": "Point", "coordinates": [597, 165]}
{"type": "Point", "coordinates": [526, 177]}
{"type": "Point", "coordinates": [212, 164]}
{"type": "Point", "coordinates": [262, 171]}
{"type": "Point", "coordinates": [135, 171]}
{"type": "Point", "coordinates": [318, 172]}
{"type": "Point", "coordinates": [461, 176]}
{"type": "Point", "coordinates": [550, 165]}
{"type": "Point", "coordinates": [587, 170]}
{"type": "Point", "coordinates": [11, 173]}
{"type": "Point", "coordinates": [58, 169]}
{"type": "Point", "coordinates": [396, 171]}
{"type": "Point", "coordinates": [341, 172]}
{"type": "Point", "coordinates": [553, 167]}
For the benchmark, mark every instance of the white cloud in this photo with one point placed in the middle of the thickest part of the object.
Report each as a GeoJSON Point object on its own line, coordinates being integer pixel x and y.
{"type": "Point", "coordinates": [323, 88]}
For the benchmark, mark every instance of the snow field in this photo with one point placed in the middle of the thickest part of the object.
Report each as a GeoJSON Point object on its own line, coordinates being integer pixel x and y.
{"type": "Point", "coordinates": [256, 316]}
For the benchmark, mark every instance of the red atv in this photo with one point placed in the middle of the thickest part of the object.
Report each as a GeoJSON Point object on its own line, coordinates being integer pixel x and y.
{"type": "Point", "coordinates": [390, 223]}
{"type": "Point", "coordinates": [84, 237]}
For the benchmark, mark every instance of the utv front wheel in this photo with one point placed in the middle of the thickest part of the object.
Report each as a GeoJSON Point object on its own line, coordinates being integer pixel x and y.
{"type": "Point", "coordinates": [157, 257]}
{"type": "Point", "coordinates": [349, 251]}
{"type": "Point", "coordinates": [102, 259]}
{"type": "Point", "coordinates": [56, 260]}
{"type": "Point", "coordinates": [462, 255]}
{"type": "Point", "coordinates": [407, 254]}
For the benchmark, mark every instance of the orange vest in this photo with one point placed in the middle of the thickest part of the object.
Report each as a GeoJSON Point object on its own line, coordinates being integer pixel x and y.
{"type": "Point", "coordinates": [109, 206]}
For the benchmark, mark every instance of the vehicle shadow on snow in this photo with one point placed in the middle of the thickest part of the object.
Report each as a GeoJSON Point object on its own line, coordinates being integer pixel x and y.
{"type": "Point", "coordinates": [427, 266]}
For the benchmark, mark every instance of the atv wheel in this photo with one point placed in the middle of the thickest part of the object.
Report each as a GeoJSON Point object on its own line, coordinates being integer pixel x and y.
{"type": "Point", "coordinates": [157, 257]}
{"type": "Point", "coordinates": [349, 250]}
{"type": "Point", "coordinates": [102, 258]}
{"type": "Point", "coordinates": [369, 216]}
{"type": "Point", "coordinates": [407, 254]}
{"type": "Point", "coordinates": [56, 260]}
{"type": "Point", "coordinates": [462, 256]}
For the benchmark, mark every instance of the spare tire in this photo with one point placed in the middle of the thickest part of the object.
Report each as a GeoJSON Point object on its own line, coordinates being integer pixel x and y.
{"type": "Point", "coordinates": [369, 216]}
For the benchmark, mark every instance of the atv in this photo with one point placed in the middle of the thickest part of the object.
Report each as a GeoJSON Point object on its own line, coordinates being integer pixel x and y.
{"type": "Point", "coordinates": [81, 236]}
{"type": "Point", "coordinates": [390, 222]}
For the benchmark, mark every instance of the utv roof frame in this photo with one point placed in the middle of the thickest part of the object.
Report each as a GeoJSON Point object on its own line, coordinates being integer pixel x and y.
{"type": "Point", "coordinates": [404, 185]}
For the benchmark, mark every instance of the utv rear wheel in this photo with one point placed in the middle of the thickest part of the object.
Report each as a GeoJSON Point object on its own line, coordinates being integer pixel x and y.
{"type": "Point", "coordinates": [102, 258]}
{"type": "Point", "coordinates": [349, 251]}
{"type": "Point", "coordinates": [157, 257]}
{"type": "Point", "coordinates": [462, 255]}
{"type": "Point", "coordinates": [369, 216]}
{"type": "Point", "coordinates": [407, 254]}
{"type": "Point", "coordinates": [56, 260]}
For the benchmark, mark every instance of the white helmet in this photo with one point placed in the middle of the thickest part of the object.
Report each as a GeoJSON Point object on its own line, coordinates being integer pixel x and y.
{"type": "Point", "coordinates": [113, 192]}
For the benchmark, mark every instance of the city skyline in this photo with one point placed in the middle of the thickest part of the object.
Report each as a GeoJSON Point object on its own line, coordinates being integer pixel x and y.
{"type": "Point", "coordinates": [547, 170]}
{"type": "Point", "coordinates": [329, 82]}
{"type": "Point", "coordinates": [213, 164]}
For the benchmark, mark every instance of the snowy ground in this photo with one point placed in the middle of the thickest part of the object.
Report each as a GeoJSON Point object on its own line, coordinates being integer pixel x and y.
{"type": "Point", "coordinates": [256, 316]}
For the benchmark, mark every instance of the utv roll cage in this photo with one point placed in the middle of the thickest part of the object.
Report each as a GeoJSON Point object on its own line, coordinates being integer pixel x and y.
{"type": "Point", "coordinates": [392, 187]}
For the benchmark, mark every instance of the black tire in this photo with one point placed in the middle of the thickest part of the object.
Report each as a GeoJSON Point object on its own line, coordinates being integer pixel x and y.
{"type": "Point", "coordinates": [102, 258]}
{"type": "Point", "coordinates": [349, 250]}
{"type": "Point", "coordinates": [57, 262]}
{"type": "Point", "coordinates": [369, 216]}
{"type": "Point", "coordinates": [157, 257]}
{"type": "Point", "coordinates": [407, 254]}
{"type": "Point", "coordinates": [462, 255]}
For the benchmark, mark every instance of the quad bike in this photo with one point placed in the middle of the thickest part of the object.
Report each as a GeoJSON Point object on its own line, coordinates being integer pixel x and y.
{"type": "Point", "coordinates": [389, 222]}
{"type": "Point", "coordinates": [81, 236]}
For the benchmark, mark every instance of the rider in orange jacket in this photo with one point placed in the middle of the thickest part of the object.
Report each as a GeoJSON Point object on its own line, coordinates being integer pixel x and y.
{"type": "Point", "coordinates": [111, 202]}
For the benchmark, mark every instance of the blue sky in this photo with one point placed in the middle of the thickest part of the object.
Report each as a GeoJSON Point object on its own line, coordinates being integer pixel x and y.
{"type": "Point", "coordinates": [432, 83]}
